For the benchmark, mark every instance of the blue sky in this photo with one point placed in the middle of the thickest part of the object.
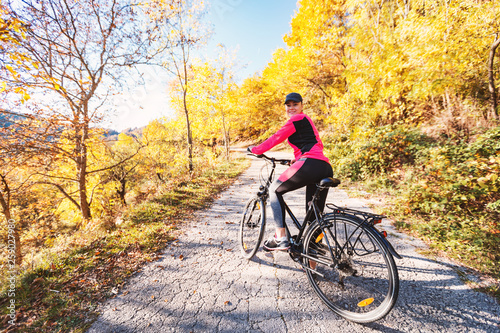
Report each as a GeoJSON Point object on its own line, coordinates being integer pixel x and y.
{"type": "Point", "coordinates": [252, 28]}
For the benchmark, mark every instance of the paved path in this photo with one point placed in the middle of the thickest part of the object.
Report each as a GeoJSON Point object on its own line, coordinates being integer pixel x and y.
{"type": "Point", "coordinates": [201, 284]}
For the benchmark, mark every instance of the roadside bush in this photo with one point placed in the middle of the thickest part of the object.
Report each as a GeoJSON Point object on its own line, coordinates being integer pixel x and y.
{"type": "Point", "coordinates": [381, 150]}
{"type": "Point", "coordinates": [460, 179]}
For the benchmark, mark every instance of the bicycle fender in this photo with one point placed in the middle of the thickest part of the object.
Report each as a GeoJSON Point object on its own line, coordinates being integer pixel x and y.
{"type": "Point", "coordinates": [391, 248]}
{"type": "Point", "coordinates": [386, 243]}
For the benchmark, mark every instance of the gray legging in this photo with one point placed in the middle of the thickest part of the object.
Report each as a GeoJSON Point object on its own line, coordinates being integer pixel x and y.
{"type": "Point", "coordinates": [304, 172]}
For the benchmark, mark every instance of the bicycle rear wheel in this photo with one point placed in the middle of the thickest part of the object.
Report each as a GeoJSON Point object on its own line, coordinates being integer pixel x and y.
{"type": "Point", "coordinates": [252, 225]}
{"type": "Point", "coordinates": [353, 273]}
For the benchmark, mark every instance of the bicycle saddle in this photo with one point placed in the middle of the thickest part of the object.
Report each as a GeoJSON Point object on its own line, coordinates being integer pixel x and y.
{"type": "Point", "coordinates": [329, 182]}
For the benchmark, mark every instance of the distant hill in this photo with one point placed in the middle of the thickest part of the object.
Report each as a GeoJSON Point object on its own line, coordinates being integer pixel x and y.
{"type": "Point", "coordinates": [134, 131]}
{"type": "Point", "coordinates": [112, 135]}
{"type": "Point", "coordinates": [8, 118]}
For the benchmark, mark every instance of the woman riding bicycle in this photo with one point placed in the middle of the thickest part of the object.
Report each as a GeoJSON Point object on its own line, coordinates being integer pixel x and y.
{"type": "Point", "coordinates": [308, 167]}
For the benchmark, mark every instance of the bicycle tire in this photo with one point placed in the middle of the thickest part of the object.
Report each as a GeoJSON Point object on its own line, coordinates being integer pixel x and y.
{"type": "Point", "coordinates": [358, 278]}
{"type": "Point", "coordinates": [252, 226]}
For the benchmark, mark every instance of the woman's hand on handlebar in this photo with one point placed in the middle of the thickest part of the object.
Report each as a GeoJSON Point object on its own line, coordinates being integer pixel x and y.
{"type": "Point", "coordinates": [249, 150]}
{"type": "Point", "coordinates": [277, 160]}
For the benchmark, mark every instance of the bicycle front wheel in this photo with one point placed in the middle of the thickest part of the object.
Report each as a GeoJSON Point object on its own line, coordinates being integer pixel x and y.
{"type": "Point", "coordinates": [252, 225]}
{"type": "Point", "coordinates": [351, 269]}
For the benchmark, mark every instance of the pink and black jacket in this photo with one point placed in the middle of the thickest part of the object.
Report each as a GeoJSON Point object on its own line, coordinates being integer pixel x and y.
{"type": "Point", "coordinates": [302, 136]}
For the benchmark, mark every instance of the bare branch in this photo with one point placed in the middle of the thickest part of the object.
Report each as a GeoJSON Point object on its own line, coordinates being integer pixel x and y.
{"type": "Point", "coordinates": [61, 189]}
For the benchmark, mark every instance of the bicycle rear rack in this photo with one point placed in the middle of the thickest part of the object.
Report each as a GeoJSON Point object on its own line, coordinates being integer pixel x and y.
{"type": "Point", "coordinates": [366, 217]}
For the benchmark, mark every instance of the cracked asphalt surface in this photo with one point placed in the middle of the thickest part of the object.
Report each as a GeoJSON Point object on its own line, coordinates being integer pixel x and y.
{"type": "Point", "coordinates": [202, 284]}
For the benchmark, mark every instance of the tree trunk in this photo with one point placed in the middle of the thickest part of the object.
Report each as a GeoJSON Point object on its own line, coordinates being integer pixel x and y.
{"type": "Point", "coordinates": [226, 143]}
{"type": "Point", "coordinates": [189, 135]}
{"type": "Point", "coordinates": [5, 203]}
{"type": "Point", "coordinates": [122, 190]}
{"type": "Point", "coordinates": [226, 136]}
{"type": "Point", "coordinates": [17, 238]}
{"type": "Point", "coordinates": [81, 136]}
{"type": "Point", "coordinates": [491, 76]}
{"type": "Point", "coordinates": [82, 187]}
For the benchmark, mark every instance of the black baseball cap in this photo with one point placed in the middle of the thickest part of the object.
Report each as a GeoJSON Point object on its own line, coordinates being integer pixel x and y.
{"type": "Point", "coordinates": [293, 97]}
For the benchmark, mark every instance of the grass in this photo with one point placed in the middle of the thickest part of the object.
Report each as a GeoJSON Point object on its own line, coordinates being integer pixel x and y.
{"type": "Point", "coordinates": [63, 295]}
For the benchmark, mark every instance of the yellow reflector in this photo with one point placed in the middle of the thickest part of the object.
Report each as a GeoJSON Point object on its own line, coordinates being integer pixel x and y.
{"type": "Point", "coordinates": [258, 205]}
{"type": "Point", "coordinates": [319, 238]}
{"type": "Point", "coordinates": [245, 246]}
{"type": "Point", "coordinates": [365, 302]}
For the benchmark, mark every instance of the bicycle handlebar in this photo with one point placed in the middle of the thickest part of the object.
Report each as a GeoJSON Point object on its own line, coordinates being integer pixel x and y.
{"type": "Point", "coordinates": [271, 159]}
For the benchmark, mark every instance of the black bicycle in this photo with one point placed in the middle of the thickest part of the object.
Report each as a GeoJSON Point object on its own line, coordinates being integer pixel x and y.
{"type": "Point", "coordinates": [348, 262]}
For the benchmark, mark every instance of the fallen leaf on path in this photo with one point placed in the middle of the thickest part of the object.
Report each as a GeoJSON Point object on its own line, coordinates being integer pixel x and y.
{"type": "Point", "coordinates": [181, 257]}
